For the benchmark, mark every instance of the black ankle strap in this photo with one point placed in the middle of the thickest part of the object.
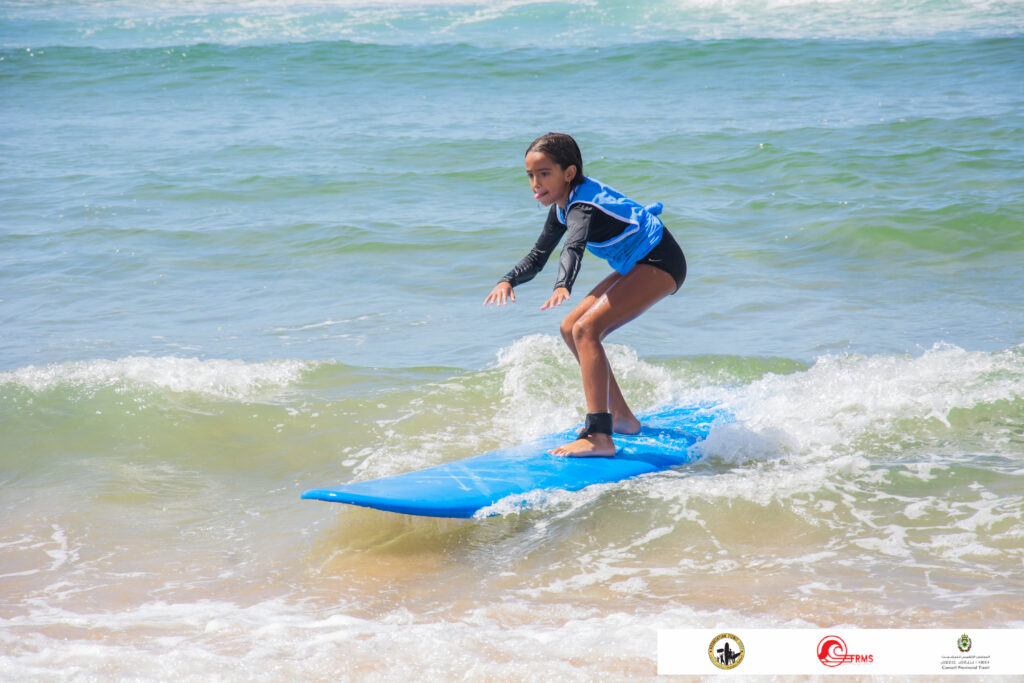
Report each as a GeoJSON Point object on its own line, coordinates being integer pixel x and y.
{"type": "Point", "coordinates": [597, 423]}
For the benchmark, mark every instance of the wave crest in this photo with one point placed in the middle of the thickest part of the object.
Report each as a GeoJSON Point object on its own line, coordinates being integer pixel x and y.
{"type": "Point", "coordinates": [217, 378]}
{"type": "Point", "coordinates": [512, 23]}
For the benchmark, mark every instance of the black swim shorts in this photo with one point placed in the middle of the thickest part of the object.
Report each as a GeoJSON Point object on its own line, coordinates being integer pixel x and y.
{"type": "Point", "coordinates": [668, 256]}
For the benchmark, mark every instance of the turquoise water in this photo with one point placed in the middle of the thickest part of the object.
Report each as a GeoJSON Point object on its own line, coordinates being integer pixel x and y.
{"type": "Point", "coordinates": [243, 250]}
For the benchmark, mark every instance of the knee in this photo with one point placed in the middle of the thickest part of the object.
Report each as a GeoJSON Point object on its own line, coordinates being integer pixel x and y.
{"type": "Point", "coordinates": [584, 332]}
{"type": "Point", "coordinates": [566, 329]}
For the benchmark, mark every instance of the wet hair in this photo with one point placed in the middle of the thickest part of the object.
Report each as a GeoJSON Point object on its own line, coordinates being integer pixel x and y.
{"type": "Point", "coordinates": [563, 150]}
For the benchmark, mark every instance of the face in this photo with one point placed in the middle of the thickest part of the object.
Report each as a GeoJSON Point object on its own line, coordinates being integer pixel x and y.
{"type": "Point", "coordinates": [550, 182]}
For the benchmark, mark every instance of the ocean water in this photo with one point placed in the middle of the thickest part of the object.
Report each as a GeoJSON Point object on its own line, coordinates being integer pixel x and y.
{"type": "Point", "coordinates": [243, 251]}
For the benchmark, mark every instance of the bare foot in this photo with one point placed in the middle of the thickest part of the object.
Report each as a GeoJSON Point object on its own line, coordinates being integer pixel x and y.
{"type": "Point", "coordinates": [595, 445]}
{"type": "Point", "coordinates": [627, 425]}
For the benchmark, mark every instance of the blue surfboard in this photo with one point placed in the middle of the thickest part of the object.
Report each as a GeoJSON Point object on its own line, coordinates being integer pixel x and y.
{"type": "Point", "coordinates": [463, 487]}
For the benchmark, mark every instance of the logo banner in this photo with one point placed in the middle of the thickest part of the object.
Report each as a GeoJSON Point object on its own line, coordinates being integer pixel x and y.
{"type": "Point", "coordinates": [837, 652]}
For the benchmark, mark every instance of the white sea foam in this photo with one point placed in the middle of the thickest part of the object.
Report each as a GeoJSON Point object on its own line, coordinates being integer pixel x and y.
{"type": "Point", "coordinates": [555, 503]}
{"type": "Point", "coordinates": [522, 22]}
{"type": "Point", "coordinates": [843, 398]}
{"type": "Point", "coordinates": [226, 379]}
{"type": "Point", "coordinates": [542, 389]}
{"type": "Point", "coordinates": [277, 639]}
{"type": "Point", "coordinates": [817, 413]}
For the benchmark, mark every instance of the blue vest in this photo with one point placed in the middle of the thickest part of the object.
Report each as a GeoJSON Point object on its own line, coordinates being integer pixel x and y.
{"type": "Point", "coordinates": [636, 241]}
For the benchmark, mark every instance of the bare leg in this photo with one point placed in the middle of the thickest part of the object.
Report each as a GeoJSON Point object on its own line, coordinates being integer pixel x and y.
{"type": "Point", "coordinates": [625, 422]}
{"type": "Point", "coordinates": [616, 301]}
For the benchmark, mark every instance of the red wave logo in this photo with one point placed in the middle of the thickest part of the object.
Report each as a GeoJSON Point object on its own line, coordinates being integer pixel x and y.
{"type": "Point", "coordinates": [832, 652]}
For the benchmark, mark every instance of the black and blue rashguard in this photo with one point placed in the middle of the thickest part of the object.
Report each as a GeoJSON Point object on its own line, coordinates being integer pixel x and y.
{"type": "Point", "coordinates": [589, 224]}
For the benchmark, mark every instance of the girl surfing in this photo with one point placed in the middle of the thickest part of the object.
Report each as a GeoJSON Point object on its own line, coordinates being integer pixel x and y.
{"type": "Point", "coordinates": [647, 262]}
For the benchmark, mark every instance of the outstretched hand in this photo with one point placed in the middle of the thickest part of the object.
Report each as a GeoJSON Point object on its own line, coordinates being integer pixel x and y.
{"type": "Point", "coordinates": [557, 297]}
{"type": "Point", "coordinates": [500, 295]}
